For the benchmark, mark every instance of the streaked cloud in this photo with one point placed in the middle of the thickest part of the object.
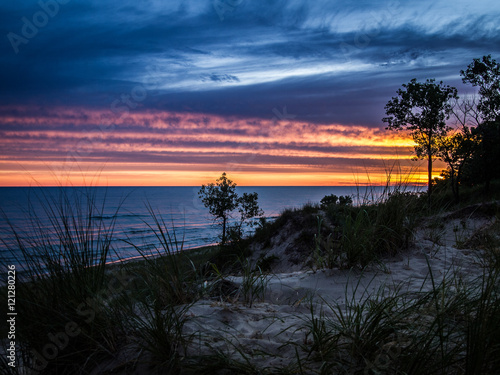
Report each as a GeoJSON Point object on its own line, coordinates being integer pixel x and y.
{"type": "Point", "coordinates": [205, 87]}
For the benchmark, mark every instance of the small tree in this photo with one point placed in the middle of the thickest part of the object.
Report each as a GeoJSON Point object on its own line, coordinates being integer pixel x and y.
{"type": "Point", "coordinates": [248, 207]}
{"type": "Point", "coordinates": [221, 199]}
{"type": "Point", "coordinates": [422, 108]}
{"type": "Point", "coordinates": [456, 150]}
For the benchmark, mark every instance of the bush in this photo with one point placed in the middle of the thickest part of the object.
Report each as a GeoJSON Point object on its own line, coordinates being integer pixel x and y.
{"type": "Point", "coordinates": [332, 199]}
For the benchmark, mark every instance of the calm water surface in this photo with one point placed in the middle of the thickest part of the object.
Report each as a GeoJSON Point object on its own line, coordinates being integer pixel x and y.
{"type": "Point", "coordinates": [180, 207]}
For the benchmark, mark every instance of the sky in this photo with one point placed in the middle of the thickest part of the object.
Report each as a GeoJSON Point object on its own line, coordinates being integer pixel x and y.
{"type": "Point", "coordinates": [176, 92]}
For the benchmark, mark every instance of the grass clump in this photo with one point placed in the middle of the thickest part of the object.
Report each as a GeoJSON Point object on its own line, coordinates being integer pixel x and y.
{"type": "Point", "coordinates": [380, 229]}
{"type": "Point", "coordinates": [438, 331]}
{"type": "Point", "coordinates": [166, 284]}
{"type": "Point", "coordinates": [78, 310]}
{"type": "Point", "coordinates": [167, 267]}
{"type": "Point", "coordinates": [356, 235]}
{"type": "Point", "coordinates": [254, 283]}
{"type": "Point", "coordinates": [62, 277]}
{"type": "Point", "coordinates": [354, 334]}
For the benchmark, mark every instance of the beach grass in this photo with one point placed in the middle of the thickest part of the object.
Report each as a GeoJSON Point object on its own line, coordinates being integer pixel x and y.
{"type": "Point", "coordinates": [442, 330]}
{"type": "Point", "coordinates": [62, 320]}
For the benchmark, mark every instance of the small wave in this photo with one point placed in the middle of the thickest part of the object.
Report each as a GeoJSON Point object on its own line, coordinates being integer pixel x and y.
{"type": "Point", "coordinates": [108, 217]}
{"type": "Point", "coordinates": [132, 215]}
{"type": "Point", "coordinates": [137, 231]}
{"type": "Point", "coordinates": [104, 217]}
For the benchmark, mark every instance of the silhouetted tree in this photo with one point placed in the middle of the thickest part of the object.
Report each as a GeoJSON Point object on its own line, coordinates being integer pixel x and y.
{"type": "Point", "coordinates": [422, 108]}
{"type": "Point", "coordinates": [248, 207]}
{"type": "Point", "coordinates": [485, 73]}
{"type": "Point", "coordinates": [484, 165]}
{"type": "Point", "coordinates": [456, 150]}
{"type": "Point", "coordinates": [465, 111]}
{"type": "Point", "coordinates": [221, 199]}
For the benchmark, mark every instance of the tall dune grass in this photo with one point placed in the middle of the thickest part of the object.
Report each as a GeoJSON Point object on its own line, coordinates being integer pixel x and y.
{"type": "Point", "coordinates": [379, 223]}
{"type": "Point", "coordinates": [62, 276]}
{"type": "Point", "coordinates": [166, 284]}
{"type": "Point", "coordinates": [168, 267]}
{"type": "Point", "coordinates": [438, 330]}
{"type": "Point", "coordinates": [76, 310]}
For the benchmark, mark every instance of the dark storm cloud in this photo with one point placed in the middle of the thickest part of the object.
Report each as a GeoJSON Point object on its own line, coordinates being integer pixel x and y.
{"type": "Point", "coordinates": [327, 62]}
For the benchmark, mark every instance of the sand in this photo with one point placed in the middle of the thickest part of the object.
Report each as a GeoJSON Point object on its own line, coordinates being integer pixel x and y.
{"type": "Point", "coordinates": [270, 330]}
{"type": "Point", "coordinates": [261, 330]}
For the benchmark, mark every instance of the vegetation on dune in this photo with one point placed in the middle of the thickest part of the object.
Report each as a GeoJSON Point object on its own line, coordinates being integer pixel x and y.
{"type": "Point", "coordinates": [443, 330]}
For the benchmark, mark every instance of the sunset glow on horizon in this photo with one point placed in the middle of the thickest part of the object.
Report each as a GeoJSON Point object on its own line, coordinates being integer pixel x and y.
{"type": "Point", "coordinates": [175, 93]}
{"type": "Point", "coordinates": [197, 178]}
{"type": "Point", "coordinates": [176, 149]}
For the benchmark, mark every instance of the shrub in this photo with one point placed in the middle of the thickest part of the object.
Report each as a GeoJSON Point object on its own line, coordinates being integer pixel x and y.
{"type": "Point", "coordinates": [332, 199]}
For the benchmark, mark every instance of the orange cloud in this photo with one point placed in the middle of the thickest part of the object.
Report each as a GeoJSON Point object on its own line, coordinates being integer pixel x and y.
{"type": "Point", "coordinates": [185, 149]}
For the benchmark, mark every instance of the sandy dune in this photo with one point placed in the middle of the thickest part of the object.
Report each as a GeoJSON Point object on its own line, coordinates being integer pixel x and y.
{"type": "Point", "coordinates": [273, 328]}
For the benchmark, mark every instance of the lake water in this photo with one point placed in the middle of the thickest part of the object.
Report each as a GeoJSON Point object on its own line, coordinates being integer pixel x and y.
{"type": "Point", "coordinates": [180, 207]}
